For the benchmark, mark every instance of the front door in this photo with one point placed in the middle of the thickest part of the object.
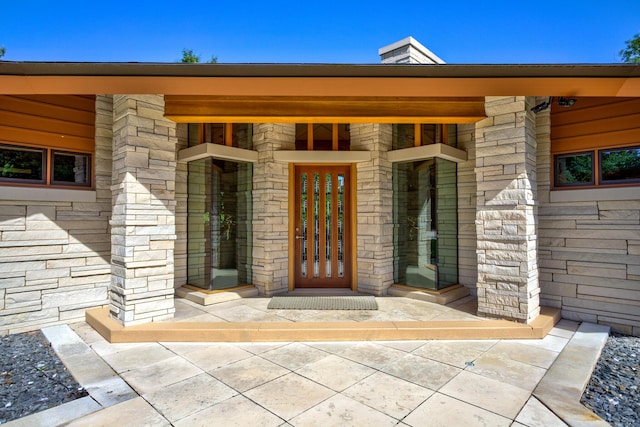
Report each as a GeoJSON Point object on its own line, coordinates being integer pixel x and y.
{"type": "Point", "coordinates": [322, 227]}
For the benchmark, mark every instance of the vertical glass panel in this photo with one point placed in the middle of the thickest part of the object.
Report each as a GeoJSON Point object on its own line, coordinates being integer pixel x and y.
{"type": "Point", "coordinates": [574, 169]}
{"type": "Point", "coordinates": [304, 223]}
{"type": "Point", "coordinates": [425, 224]}
{"type": "Point", "coordinates": [619, 166]}
{"type": "Point", "coordinates": [316, 225]}
{"type": "Point", "coordinates": [341, 220]}
{"type": "Point", "coordinates": [328, 223]}
{"type": "Point", "coordinates": [219, 211]}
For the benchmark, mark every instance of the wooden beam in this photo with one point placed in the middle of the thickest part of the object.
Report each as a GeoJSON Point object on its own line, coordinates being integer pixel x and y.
{"type": "Point", "coordinates": [417, 135]}
{"type": "Point", "coordinates": [324, 110]}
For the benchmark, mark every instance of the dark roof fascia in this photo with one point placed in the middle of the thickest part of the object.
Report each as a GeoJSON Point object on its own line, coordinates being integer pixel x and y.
{"type": "Point", "coordinates": [9, 68]}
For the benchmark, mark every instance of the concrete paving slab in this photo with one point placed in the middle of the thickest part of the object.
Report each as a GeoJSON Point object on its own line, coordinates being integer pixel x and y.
{"type": "Point", "coordinates": [528, 354]}
{"type": "Point", "coordinates": [562, 386]}
{"type": "Point", "coordinates": [161, 374]}
{"type": "Point", "coordinates": [341, 411]}
{"type": "Point", "coordinates": [289, 395]}
{"type": "Point", "coordinates": [456, 353]}
{"type": "Point", "coordinates": [137, 357]}
{"type": "Point", "coordinates": [507, 371]}
{"type": "Point", "coordinates": [495, 396]}
{"type": "Point", "coordinates": [294, 356]}
{"type": "Point", "coordinates": [390, 395]}
{"type": "Point", "coordinates": [371, 354]}
{"type": "Point", "coordinates": [182, 399]}
{"type": "Point", "coordinates": [441, 410]}
{"type": "Point", "coordinates": [135, 411]}
{"type": "Point", "coordinates": [58, 415]}
{"type": "Point", "coordinates": [535, 414]}
{"type": "Point", "coordinates": [236, 412]}
{"type": "Point", "coordinates": [216, 355]}
{"type": "Point", "coordinates": [423, 372]}
{"type": "Point", "coordinates": [249, 373]}
{"type": "Point", "coordinates": [335, 372]}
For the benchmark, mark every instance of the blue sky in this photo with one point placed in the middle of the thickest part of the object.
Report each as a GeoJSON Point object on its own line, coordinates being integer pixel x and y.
{"type": "Point", "coordinates": [331, 31]}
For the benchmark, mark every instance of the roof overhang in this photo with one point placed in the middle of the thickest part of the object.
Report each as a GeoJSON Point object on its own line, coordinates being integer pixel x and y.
{"type": "Point", "coordinates": [321, 92]}
{"type": "Point", "coordinates": [320, 80]}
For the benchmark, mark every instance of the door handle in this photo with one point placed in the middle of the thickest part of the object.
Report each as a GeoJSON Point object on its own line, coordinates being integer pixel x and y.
{"type": "Point", "coordinates": [299, 237]}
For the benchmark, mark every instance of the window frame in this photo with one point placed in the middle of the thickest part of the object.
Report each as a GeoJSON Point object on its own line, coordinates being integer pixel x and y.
{"type": "Point", "coordinates": [598, 182]}
{"type": "Point", "coordinates": [47, 168]}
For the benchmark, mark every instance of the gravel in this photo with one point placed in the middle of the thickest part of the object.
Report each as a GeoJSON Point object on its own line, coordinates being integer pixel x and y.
{"type": "Point", "coordinates": [33, 378]}
{"type": "Point", "coordinates": [612, 392]}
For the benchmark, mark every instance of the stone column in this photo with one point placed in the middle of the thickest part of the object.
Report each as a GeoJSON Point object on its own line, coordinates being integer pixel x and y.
{"type": "Point", "coordinates": [271, 208]}
{"type": "Point", "coordinates": [143, 219]}
{"type": "Point", "coordinates": [506, 210]}
{"type": "Point", "coordinates": [374, 208]}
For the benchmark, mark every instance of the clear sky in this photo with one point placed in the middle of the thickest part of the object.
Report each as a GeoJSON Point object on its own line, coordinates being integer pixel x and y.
{"type": "Point", "coordinates": [330, 31]}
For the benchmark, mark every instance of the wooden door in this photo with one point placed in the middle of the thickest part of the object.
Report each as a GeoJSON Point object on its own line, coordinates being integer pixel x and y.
{"type": "Point", "coordinates": [322, 233]}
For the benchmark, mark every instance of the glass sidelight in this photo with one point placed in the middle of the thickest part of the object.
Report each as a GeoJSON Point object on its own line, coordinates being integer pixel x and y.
{"type": "Point", "coordinates": [219, 213]}
{"type": "Point", "coordinates": [425, 224]}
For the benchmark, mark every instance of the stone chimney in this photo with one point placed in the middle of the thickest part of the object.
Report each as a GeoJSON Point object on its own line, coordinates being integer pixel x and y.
{"type": "Point", "coordinates": [407, 51]}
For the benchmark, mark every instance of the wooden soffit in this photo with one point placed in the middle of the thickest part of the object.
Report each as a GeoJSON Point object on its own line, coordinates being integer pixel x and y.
{"type": "Point", "coordinates": [284, 109]}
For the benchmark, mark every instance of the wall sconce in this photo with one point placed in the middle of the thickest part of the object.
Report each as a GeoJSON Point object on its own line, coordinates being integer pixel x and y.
{"type": "Point", "coordinates": [562, 102]}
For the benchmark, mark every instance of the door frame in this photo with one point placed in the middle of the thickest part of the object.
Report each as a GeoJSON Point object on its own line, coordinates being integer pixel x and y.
{"type": "Point", "coordinates": [353, 235]}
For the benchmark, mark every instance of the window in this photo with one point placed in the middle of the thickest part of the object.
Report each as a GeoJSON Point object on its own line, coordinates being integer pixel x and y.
{"type": "Point", "coordinates": [602, 167]}
{"type": "Point", "coordinates": [42, 166]}
{"type": "Point", "coordinates": [620, 165]}
{"type": "Point", "coordinates": [19, 164]}
{"type": "Point", "coordinates": [574, 169]}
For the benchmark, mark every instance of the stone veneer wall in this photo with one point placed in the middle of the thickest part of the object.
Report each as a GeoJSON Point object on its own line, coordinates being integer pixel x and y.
{"type": "Point", "coordinates": [55, 256]}
{"type": "Point", "coordinates": [467, 188]}
{"type": "Point", "coordinates": [589, 251]}
{"type": "Point", "coordinates": [271, 208]}
{"type": "Point", "coordinates": [374, 208]}
{"type": "Point", "coordinates": [180, 248]}
{"type": "Point", "coordinates": [506, 210]}
{"type": "Point", "coordinates": [143, 218]}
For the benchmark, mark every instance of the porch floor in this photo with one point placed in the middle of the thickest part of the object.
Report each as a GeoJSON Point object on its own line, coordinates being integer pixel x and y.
{"type": "Point", "coordinates": [249, 320]}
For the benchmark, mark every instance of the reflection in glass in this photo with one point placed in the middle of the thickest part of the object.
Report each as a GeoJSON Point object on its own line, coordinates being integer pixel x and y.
{"type": "Point", "coordinates": [573, 169]}
{"type": "Point", "coordinates": [620, 165]}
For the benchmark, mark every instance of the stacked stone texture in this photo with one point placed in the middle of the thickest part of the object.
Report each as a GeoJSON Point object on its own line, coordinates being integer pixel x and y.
{"type": "Point", "coordinates": [507, 284]}
{"type": "Point", "coordinates": [374, 208]}
{"type": "Point", "coordinates": [589, 249]}
{"type": "Point", "coordinates": [143, 219]}
{"type": "Point", "coordinates": [55, 256]}
{"type": "Point", "coordinates": [271, 208]}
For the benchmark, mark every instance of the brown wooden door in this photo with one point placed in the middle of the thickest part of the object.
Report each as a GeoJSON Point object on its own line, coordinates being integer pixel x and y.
{"type": "Point", "coordinates": [322, 227]}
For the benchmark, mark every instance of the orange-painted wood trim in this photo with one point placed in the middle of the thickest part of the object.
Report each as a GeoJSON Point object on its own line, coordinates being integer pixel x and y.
{"type": "Point", "coordinates": [322, 86]}
{"type": "Point", "coordinates": [322, 110]}
{"type": "Point", "coordinates": [228, 134]}
{"type": "Point", "coordinates": [310, 136]}
{"type": "Point", "coordinates": [353, 177]}
{"type": "Point", "coordinates": [417, 135]}
{"type": "Point", "coordinates": [292, 225]}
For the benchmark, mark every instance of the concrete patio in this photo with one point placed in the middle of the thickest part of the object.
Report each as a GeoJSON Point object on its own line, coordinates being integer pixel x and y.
{"type": "Point", "coordinates": [495, 382]}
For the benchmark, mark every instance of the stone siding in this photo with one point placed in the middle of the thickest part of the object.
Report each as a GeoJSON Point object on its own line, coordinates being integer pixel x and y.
{"type": "Point", "coordinates": [589, 250]}
{"type": "Point", "coordinates": [467, 259]}
{"type": "Point", "coordinates": [55, 256]}
{"type": "Point", "coordinates": [506, 210]}
{"type": "Point", "coordinates": [374, 208]}
{"type": "Point", "coordinates": [271, 208]}
{"type": "Point", "coordinates": [143, 219]}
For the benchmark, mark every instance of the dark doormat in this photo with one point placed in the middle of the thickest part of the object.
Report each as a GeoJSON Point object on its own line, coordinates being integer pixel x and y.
{"type": "Point", "coordinates": [366, 302]}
